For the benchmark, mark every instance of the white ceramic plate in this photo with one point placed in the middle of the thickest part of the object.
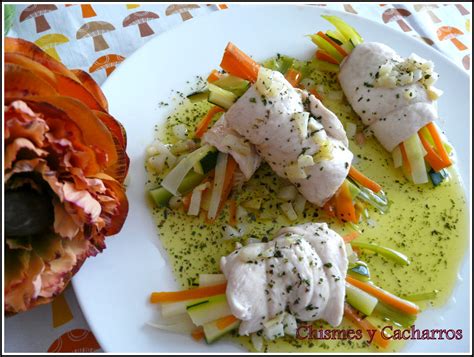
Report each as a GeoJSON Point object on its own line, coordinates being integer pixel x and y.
{"type": "Point", "coordinates": [114, 287]}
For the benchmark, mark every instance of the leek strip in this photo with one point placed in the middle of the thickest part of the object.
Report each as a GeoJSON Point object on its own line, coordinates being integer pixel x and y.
{"type": "Point", "coordinates": [349, 33]}
{"type": "Point", "coordinates": [416, 159]}
{"type": "Point", "coordinates": [218, 185]}
{"type": "Point", "coordinates": [422, 296]}
{"type": "Point", "coordinates": [173, 180]}
{"type": "Point", "coordinates": [360, 300]}
{"type": "Point", "coordinates": [397, 157]}
{"type": "Point", "coordinates": [388, 253]}
{"type": "Point", "coordinates": [394, 315]}
{"type": "Point", "coordinates": [211, 279]}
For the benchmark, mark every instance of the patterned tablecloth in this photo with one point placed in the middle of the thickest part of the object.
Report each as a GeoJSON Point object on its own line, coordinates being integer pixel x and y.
{"type": "Point", "coordinates": [97, 38]}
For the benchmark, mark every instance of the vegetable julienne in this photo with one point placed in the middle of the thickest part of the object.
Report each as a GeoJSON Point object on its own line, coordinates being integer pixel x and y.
{"type": "Point", "coordinates": [333, 47]}
{"type": "Point", "coordinates": [187, 294]}
{"type": "Point", "coordinates": [403, 305]}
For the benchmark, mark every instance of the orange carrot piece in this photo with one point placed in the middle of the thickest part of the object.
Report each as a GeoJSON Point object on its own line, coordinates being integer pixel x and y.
{"type": "Point", "coordinates": [190, 294]}
{"type": "Point", "coordinates": [232, 213]}
{"type": "Point", "coordinates": [334, 44]}
{"type": "Point", "coordinates": [405, 162]}
{"type": "Point", "coordinates": [329, 208]}
{"type": "Point", "coordinates": [323, 56]}
{"type": "Point", "coordinates": [431, 156]}
{"type": "Point", "coordinates": [239, 64]}
{"type": "Point", "coordinates": [223, 322]}
{"type": "Point", "coordinates": [202, 126]}
{"type": "Point", "coordinates": [198, 334]}
{"type": "Point", "coordinates": [439, 143]}
{"type": "Point", "coordinates": [214, 76]}
{"type": "Point", "coordinates": [364, 180]}
{"type": "Point", "coordinates": [229, 177]}
{"type": "Point", "coordinates": [351, 314]}
{"type": "Point", "coordinates": [345, 209]}
{"type": "Point", "coordinates": [350, 237]}
{"type": "Point", "coordinates": [294, 77]}
{"type": "Point", "coordinates": [187, 201]}
{"type": "Point", "coordinates": [316, 94]}
{"type": "Point", "coordinates": [403, 305]}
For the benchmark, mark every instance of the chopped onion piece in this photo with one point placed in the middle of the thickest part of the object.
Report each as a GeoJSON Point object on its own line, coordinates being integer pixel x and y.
{"type": "Point", "coordinates": [241, 213]}
{"type": "Point", "coordinates": [299, 204]}
{"type": "Point", "coordinates": [397, 157]}
{"type": "Point", "coordinates": [301, 120]}
{"type": "Point", "coordinates": [434, 93]}
{"type": "Point", "coordinates": [254, 203]}
{"type": "Point", "coordinates": [175, 202]}
{"type": "Point", "coordinates": [294, 172]}
{"type": "Point", "coordinates": [289, 212]}
{"type": "Point", "coordinates": [287, 193]}
{"type": "Point", "coordinates": [218, 185]}
{"type": "Point", "coordinates": [305, 161]}
{"type": "Point", "coordinates": [231, 233]}
{"type": "Point", "coordinates": [180, 131]}
{"type": "Point", "coordinates": [250, 252]}
{"type": "Point", "coordinates": [290, 325]}
{"type": "Point", "coordinates": [266, 83]}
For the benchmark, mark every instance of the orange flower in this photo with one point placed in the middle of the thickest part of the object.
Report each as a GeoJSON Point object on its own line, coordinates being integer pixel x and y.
{"type": "Point", "coordinates": [64, 168]}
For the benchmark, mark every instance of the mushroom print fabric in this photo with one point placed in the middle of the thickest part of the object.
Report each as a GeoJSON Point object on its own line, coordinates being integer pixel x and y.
{"type": "Point", "coordinates": [95, 38]}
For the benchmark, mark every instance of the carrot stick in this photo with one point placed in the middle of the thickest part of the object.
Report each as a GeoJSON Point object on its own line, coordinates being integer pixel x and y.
{"type": "Point", "coordinates": [190, 294]}
{"type": "Point", "coordinates": [223, 322]}
{"type": "Point", "coordinates": [239, 64]}
{"type": "Point", "coordinates": [345, 209]}
{"type": "Point", "coordinates": [351, 314]}
{"type": "Point", "coordinates": [232, 213]}
{"type": "Point", "coordinates": [229, 177]}
{"type": "Point", "coordinates": [364, 180]}
{"type": "Point", "coordinates": [202, 126]}
{"type": "Point", "coordinates": [390, 299]}
{"type": "Point", "coordinates": [405, 162]}
{"type": "Point", "coordinates": [294, 77]}
{"type": "Point", "coordinates": [432, 157]}
{"type": "Point", "coordinates": [334, 44]}
{"type": "Point", "coordinates": [187, 201]}
{"type": "Point", "coordinates": [350, 237]}
{"type": "Point", "coordinates": [329, 208]}
{"type": "Point", "coordinates": [316, 94]}
{"type": "Point", "coordinates": [439, 143]}
{"type": "Point", "coordinates": [323, 56]}
{"type": "Point", "coordinates": [214, 76]}
{"type": "Point", "coordinates": [198, 334]}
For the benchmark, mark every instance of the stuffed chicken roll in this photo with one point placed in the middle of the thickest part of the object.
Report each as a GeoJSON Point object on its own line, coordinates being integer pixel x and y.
{"type": "Point", "coordinates": [392, 95]}
{"type": "Point", "coordinates": [295, 134]}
